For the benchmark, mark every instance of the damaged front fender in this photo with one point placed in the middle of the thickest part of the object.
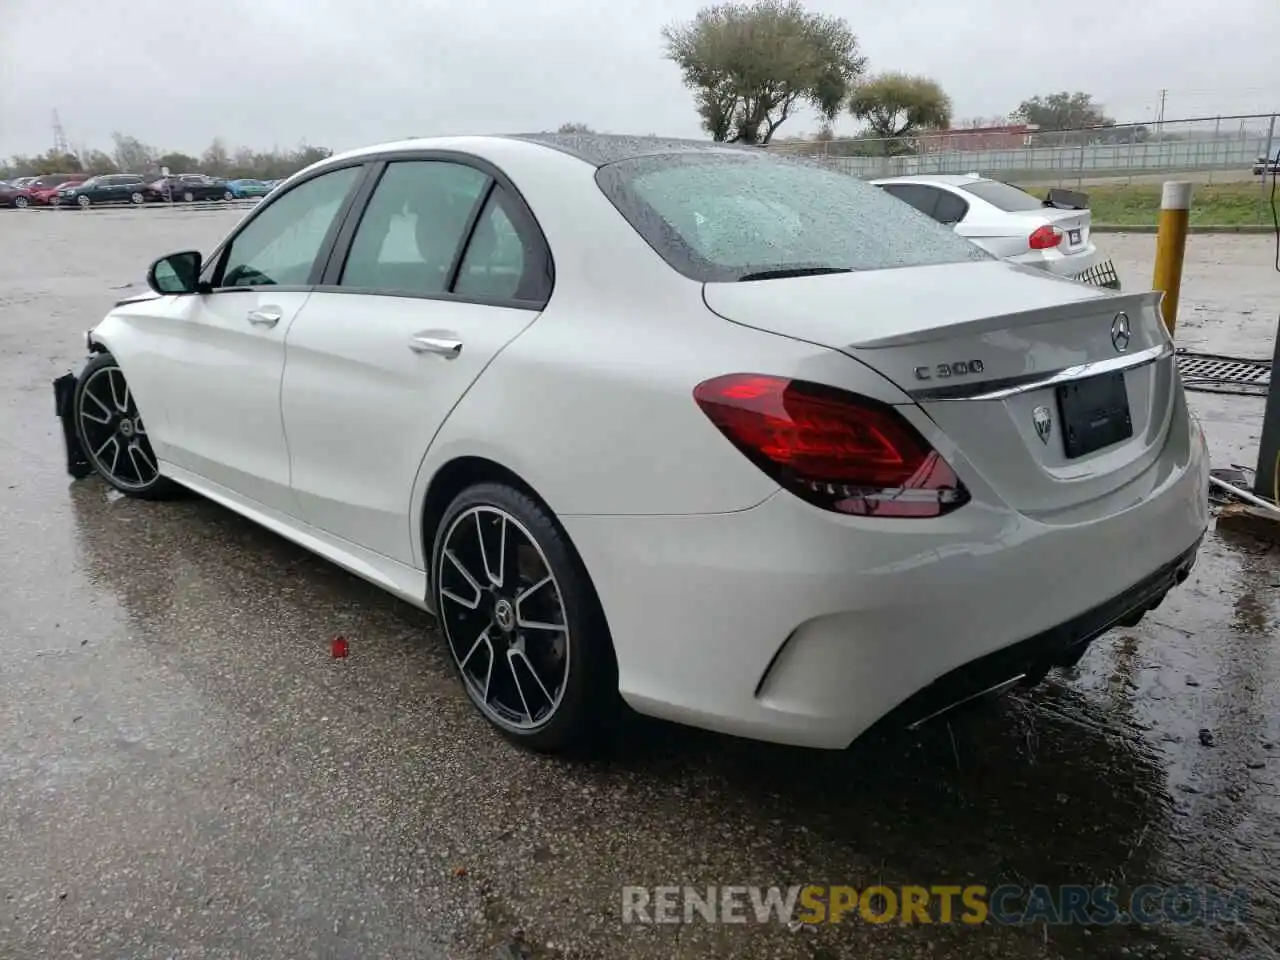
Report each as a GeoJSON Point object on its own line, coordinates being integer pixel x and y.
{"type": "Point", "coordinates": [64, 396]}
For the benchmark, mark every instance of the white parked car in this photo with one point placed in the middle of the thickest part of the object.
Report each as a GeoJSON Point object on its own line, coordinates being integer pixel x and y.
{"type": "Point", "coordinates": [1011, 223]}
{"type": "Point", "coordinates": [742, 442]}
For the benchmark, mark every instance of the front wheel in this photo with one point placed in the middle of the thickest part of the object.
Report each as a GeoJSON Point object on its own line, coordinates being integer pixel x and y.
{"type": "Point", "coordinates": [228, 195]}
{"type": "Point", "coordinates": [522, 622]}
{"type": "Point", "coordinates": [83, 201]}
{"type": "Point", "coordinates": [21, 202]}
{"type": "Point", "coordinates": [112, 434]}
{"type": "Point", "coordinates": [136, 197]}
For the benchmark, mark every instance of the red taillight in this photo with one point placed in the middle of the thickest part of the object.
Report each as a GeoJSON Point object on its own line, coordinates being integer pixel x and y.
{"type": "Point", "coordinates": [834, 449]}
{"type": "Point", "coordinates": [1045, 238]}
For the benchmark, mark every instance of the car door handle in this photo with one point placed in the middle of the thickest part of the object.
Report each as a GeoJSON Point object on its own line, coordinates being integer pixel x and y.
{"type": "Point", "coordinates": [266, 317]}
{"type": "Point", "coordinates": [443, 346]}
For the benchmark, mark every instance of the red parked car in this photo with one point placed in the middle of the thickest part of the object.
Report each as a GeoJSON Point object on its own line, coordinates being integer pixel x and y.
{"type": "Point", "coordinates": [43, 190]}
{"type": "Point", "coordinates": [40, 190]}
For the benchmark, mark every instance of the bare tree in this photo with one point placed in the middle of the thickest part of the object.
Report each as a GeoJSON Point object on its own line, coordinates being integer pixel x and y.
{"type": "Point", "coordinates": [216, 159]}
{"type": "Point", "coordinates": [131, 154]}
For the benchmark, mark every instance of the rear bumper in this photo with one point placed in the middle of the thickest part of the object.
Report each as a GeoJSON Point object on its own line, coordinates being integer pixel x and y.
{"type": "Point", "coordinates": [1028, 661]}
{"type": "Point", "coordinates": [1087, 265]}
{"type": "Point", "coordinates": [790, 624]}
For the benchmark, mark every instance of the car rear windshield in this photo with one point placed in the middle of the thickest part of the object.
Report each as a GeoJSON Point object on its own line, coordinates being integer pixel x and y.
{"type": "Point", "coordinates": [732, 216]}
{"type": "Point", "coordinates": [1002, 196]}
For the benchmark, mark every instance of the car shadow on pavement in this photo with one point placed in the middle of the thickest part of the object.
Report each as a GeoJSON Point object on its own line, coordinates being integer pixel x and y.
{"type": "Point", "coordinates": [1043, 787]}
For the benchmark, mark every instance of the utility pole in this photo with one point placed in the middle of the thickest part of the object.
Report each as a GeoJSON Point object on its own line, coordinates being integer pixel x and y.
{"type": "Point", "coordinates": [1267, 474]}
{"type": "Point", "coordinates": [1160, 119]}
{"type": "Point", "coordinates": [60, 145]}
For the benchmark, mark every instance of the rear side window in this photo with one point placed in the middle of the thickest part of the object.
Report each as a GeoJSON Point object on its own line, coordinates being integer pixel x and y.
{"type": "Point", "coordinates": [411, 231]}
{"type": "Point", "coordinates": [924, 199]}
{"type": "Point", "coordinates": [722, 216]}
{"type": "Point", "coordinates": [1002, 196]}
{"type": "Point", "coordinates": [950, 209]}
{"type": "Point", "coordinates": [502, 261]}
{"type": "Point", "coordinates": [436, 227]}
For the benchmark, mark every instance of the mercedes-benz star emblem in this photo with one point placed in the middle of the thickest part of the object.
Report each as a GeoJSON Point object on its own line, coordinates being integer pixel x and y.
{"type": "Point", "coordinates": [505, 614]}
{"type": "Point", "coordinates": [1120, 332]}
{"type": "Point", "coordinates": [1044, 423]}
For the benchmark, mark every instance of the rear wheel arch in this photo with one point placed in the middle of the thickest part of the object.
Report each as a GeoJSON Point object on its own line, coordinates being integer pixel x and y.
{"type": "Point", "coordinates": [457, 475]}
{"type": "Point", "coordinates": [463, 472]}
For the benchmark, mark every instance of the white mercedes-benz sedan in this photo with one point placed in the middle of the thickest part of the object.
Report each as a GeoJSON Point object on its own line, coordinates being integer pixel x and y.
{"type": "Point", "coordinates": [738, 441]}
{"type": "Point", "coordinates": [1051, 234]}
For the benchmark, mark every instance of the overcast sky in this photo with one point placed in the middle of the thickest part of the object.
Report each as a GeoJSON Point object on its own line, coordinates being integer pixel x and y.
{"type": "Point", "coordinates": [341, 73]}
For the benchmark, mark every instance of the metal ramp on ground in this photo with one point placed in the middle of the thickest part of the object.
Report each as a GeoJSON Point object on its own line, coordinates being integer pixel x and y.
{"type": "Point", "coordinates": [1214, 373]}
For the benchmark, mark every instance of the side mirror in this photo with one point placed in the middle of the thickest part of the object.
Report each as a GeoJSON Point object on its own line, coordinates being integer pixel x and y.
{"type": "Point", "coordinates": [178, 273]}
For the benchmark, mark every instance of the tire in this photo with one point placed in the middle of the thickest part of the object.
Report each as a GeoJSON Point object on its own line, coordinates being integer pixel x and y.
{"type": "Point", "coordinates": [228, 195]}
{"type": "Point", "coordinates": [569, 701]}
{"type": "Point", "coordinates": [188, 197]}
{"type": "Point", "coordinates": [112, 435]}
{"type": "Point", "coordinates": [21, 202]}
{"type": "Point", "coordinates": [136, 197]}
{"type": "Point", "coordinates": [83, 201]}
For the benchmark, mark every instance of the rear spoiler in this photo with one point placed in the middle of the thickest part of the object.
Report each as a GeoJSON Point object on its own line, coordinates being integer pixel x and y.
{"type": "Point", "coordinates": [1066, 199]}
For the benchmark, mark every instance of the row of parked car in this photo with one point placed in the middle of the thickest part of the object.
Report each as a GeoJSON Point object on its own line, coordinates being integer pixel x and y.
{"type": "Point", "coordinates": [85, 190]}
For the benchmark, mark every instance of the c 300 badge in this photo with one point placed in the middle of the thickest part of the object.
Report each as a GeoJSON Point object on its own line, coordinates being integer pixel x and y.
{"type": "Point", "coordinates": [943, 371]}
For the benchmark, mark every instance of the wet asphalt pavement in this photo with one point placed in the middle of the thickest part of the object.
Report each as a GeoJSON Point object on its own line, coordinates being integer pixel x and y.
{"type": "Point", "coordinates": [185, 772]}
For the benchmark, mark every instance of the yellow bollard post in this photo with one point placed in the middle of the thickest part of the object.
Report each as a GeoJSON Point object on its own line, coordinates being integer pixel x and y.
{"type": "Point", "coordinates": [1171, 247]}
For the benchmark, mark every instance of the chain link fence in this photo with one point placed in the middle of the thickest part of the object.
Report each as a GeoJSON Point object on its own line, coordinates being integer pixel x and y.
{"type": "Point", "coordinates": [1206, 149]}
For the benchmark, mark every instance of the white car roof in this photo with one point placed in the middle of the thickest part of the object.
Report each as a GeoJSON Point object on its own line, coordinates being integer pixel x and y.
{"type": "Point", "coordinates": [593, 149]}
{"type": "Point", "coordinates": [940, 179]}
{"type": "Point", "coordinates": [597, 149]}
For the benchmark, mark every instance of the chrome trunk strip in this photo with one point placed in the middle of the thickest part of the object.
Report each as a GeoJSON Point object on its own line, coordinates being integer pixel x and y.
{"type": "Point", "coordinates": [1010, 386]}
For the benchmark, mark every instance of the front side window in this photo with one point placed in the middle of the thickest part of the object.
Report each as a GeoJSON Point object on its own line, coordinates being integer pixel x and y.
{"type": "Point", "coordinates": [413, 227]}
{"type": "Point", "coordinates": [280, 245]}
{"type": "Point", "coordinates": [725, 216]}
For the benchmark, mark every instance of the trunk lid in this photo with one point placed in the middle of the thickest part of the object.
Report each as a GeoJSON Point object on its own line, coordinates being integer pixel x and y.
{"type": "Point", "coordinates": [1033, 336]}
